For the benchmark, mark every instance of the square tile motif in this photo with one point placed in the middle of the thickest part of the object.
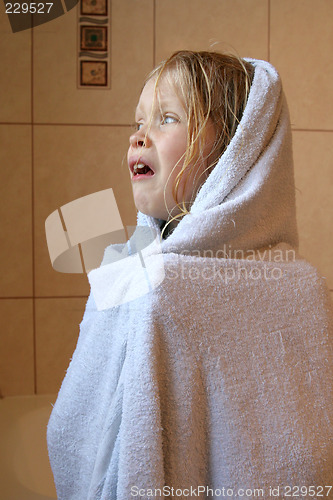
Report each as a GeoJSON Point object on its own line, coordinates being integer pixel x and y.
{"type": "Point", "coordinates": [94, 7]}
{"type": "Point", "coordinates": [94, 38]}
{"type": "Point", "coordinates": [94, 73]}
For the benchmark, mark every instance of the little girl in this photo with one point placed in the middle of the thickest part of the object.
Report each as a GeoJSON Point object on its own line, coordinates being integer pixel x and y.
{"type": "Point", "coordinates": [187, 113]}
{"type": "Point", "coordinates": [218, 381]}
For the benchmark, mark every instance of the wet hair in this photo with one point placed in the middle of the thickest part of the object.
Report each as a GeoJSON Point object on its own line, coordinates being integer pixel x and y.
{"type": "Point", "coordinates": [212, 86]}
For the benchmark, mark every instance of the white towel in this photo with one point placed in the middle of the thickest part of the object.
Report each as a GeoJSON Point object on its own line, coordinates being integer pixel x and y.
{"type": "Point", "coordinates": [219, 379]}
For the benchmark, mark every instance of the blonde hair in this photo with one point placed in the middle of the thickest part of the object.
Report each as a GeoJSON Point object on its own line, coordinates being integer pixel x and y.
{"type": "Point", "coordinates": [212, 86]}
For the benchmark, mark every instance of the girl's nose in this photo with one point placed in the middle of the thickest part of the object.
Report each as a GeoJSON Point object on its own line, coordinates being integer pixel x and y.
{"type": "Point", "coordinates": [139, 139]}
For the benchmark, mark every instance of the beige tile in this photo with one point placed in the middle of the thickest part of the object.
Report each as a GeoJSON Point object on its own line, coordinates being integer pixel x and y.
{"type": "Point", "coordinates": [15, 211]}
{"type": "Point", "coordinates": [56, 96]}
{"type": "Point", "coordinates": [71, 162]}
{"type": "Point", "coordinates": [313, 152]}
{"type": "Point", "coordinates": [57, 330]}
{"type": "Point", "coordinates": [237, 26]}
{"type": "Point", "coordinates": [301, 49]}
{"type": "Point", "coordinates": [15, 81]}
{"type": "Point", "coordinates": [16, 347]}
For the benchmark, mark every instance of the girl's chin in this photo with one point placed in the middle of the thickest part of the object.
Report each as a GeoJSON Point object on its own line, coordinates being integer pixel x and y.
{"type": "Point", "coordinates": [144, 204]}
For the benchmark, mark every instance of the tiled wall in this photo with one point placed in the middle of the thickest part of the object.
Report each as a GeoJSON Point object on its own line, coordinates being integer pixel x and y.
{"type": "Point", "coordinates": [59, 143]}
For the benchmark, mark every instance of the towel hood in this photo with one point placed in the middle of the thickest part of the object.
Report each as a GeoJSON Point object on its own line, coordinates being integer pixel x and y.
{"type": "Point", "coordinates": [248, 200]}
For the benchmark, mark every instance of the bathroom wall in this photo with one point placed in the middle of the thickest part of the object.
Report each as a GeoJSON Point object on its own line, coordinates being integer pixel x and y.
{"type": "Point", "coordinates": [60, 142]}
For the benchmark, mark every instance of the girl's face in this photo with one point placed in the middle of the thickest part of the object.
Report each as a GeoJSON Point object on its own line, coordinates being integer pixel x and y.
{"type": "Point", "coordinates": [157, 148]}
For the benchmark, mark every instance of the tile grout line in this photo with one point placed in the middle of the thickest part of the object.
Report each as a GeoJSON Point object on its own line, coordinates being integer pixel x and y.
{"type": "Point", "coordinates": [33, 216]}
{"type": "Point", "coordinates": [311, 130]}
{"type": "Point", "coordinates": [110, 43]}
{"type": "Point", "coordinates": [71, 124]}
{"type": "Point", "coordinates": [28, 297]}
{"type": "Point", "coordinates": [154, 33]}
{"type": "Point", "coordinates": [269, 30]}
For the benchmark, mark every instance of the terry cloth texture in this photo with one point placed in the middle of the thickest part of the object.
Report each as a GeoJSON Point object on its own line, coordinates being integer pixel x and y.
{"type": "Point", "coordinates": [221, 375]}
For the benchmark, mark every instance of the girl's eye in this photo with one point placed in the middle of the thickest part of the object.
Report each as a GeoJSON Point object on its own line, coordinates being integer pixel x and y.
{"type": "Point", "coordinates": [138, 126]}
{"type": "Point", "coordinates": [169, 119]}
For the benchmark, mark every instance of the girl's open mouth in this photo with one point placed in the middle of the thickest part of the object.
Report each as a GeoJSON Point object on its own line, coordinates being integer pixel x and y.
{"type": "Point", "coordinates": [140, 170]}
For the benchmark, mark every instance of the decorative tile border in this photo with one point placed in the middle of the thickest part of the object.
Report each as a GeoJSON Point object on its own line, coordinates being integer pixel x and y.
{"type": "Point", "coordinates": [94, 44]}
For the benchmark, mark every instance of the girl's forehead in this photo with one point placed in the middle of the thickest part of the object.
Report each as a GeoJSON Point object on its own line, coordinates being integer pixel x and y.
{"type": "Point", "coordinates": [160, 92]}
